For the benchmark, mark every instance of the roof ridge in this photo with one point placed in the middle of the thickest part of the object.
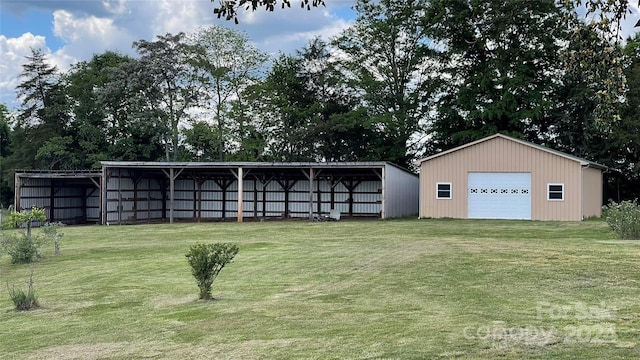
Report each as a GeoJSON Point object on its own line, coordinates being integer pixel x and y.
{"type": "Point", "coordinates": [521, 141]}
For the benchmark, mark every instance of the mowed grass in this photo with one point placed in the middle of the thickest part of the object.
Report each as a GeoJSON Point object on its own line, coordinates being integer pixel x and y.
{"type": "Point", "coordinates": [397, 289]}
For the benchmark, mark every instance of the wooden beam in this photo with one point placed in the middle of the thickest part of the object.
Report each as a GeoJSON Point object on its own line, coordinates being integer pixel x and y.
{"type": "Point", "coordinates": [172, 190]}
{"type": "Point", "coordinates": [94, 182]}
{"type": "Point", "coordinates": [172, 175]}
{"type": "Point", "coordinates": [265, 182]}
{"type": "Point", "coordinates": [240, 179]}
{"type": "Point", "coordinates": [52, 202]}
{"type": "Point", "coordinates": [240, 193]}
{"type": "Point", "coordinates": [310, 194]}
{"type": "Point", "coordinates": [103, 196]}
{"type": "Point", "coordinates": [286, 185]}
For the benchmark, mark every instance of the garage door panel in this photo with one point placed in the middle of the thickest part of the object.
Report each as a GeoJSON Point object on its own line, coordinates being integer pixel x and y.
{"type": "Point", "coordinates": [499, 195]}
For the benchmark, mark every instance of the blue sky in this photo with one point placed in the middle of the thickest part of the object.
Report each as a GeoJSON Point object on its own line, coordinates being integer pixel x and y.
{"type": "Point", "coordinates": [69, 31]}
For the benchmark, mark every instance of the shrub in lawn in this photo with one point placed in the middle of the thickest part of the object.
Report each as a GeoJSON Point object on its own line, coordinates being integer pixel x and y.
{"type": "Point", "coordinates": [24, 248]}
{"type": "Point", "coordinates": [624, 218]}
{"type": "Point", "coordinates": [207, 260]}
{"type": "Point", "coordinates": [52, 233]}
{"type": "Point", "coordinates": [21, 249]}
{"type": "Point", "coordinates": [24, 301]}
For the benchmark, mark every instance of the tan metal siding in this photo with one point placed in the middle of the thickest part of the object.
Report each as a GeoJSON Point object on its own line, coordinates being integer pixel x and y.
{"type": "Point", "coordinates": [592, 192]}
{"type": "Point", "coordinates": [502, 155]}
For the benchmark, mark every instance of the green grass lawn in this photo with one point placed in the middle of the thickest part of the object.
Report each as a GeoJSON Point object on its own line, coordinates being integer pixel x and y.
{"type": "Point", "coordinates": [397, 289]}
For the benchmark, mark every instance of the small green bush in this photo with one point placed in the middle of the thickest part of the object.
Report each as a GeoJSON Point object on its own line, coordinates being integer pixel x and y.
{"type": "Point", "coordinates": [51, 233]}
{"type": "Point", "coordinates": [24, 301]}
{"type": "Point", "coordinates": [22, 250]}
{"type": "Point", "coordinates": [207, 260]}
{"type": "Point", "coordinates": [624, 219]}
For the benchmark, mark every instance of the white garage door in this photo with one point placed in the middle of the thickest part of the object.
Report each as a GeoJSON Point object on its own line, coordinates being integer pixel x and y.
{"type": "Point", "coordinates": [499, 196]}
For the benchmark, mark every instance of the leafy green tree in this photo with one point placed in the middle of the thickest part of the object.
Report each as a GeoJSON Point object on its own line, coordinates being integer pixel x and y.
{"type": "Point", "coordinates": [5, 131]}
{"type": "Point", "coordinates": [498, 64]}
{"type": "Point", "coordinates": [338, 130]}
{"type": "Point", "coordinates": [44, 113]}
{"type": "Point", "coordinates": [308, 111]}
{"type": "Point", "coordinates": [387, 57]}
{"type": "Point", "coordinates": [96, 125]}
{"type": "Point", "coordinates": [624, 139]}
{"type": "Point", "coordinates": [6, 193]}
{"type": "Point", "coordinates": [135, 125]}
{"type": "Point", "coordinates": [167, 62]}
{"type": "Point", "coordinates": [572, 126]}
{"type": "Point", "coordinates": [285, 109]}
{"type": "Point", "coordinates": [58, 153]}
{"type": "Point", "coordinates": [203, 141]}
{"type": "Point", "coordinates": [250, 142]}
{"type": "Point", "coordinates": [227, 63]}
{"type": "Point", "coordinates": [600, 58]}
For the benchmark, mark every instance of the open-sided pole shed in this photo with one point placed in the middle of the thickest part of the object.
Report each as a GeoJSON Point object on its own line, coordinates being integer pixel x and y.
{"type": "Point", "coordinates": [133, 192]}
{"type": "Point", "coordinates": [72, 197]}
{"type": "Point", "coordinates": [166, 191]}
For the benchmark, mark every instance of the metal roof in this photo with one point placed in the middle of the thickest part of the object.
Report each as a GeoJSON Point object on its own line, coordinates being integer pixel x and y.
{"type": "Point", "coordinates": [162, 164]}
{"type": "Point", "coordinates": [349, 165]}
{"type": "Point", "coordinates": [58, 174]}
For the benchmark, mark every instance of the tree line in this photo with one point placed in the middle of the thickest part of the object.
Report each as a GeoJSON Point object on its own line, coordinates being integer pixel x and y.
{"type": "Point", "coordinates": [408, 79]}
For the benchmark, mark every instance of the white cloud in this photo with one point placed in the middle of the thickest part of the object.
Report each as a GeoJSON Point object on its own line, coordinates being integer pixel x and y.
{"type": "Point", "coordinates": [85, 36]}
{"type": "Point", "coordinates": [287, 30]}
{"type": "Point", "coordinates": [115, 6]}
{"type": "Point", "coordinates": [69, 28]}
{"type": "Point", "coordinates": [295, 41]}
{"type": "Point", "coordinates": [174, 17]}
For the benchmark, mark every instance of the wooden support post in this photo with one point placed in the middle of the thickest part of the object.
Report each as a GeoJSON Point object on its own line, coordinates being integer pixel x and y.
{"type": "Point", "coordinates": [264, 199]}
{"type": "Point", "coordinates": [319, 202]}
{"type": "Point", "coordinates": [310, 194]}
{"type": "Point", "coordinates": [148, 200]}
{"type": "Point", "coordinates": [135, 181]}
{"type": "Point", "coordinates": [18, 188]}
{"type": "Point", "coordinates": [240, 193]}
{"type": "Point", "coordinates": [52, 201]}
{"type": "Point", "coordinates": [172, 175]}
{"type": "Point", "coordinates": [255, 198]}
{"type": "Point", "coordinates": [172, 190]}
{"type": "Point", "coordinates": [103, 196]}
{"type": "Point", "coordinates": [200, 183]}
{"type": "Point", "coordinates": [119, 206]}
{"type": "Point", "coordinates": [351, 186]}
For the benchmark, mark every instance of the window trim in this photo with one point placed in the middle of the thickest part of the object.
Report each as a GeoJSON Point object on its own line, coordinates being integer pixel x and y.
{"type": "Point", "coordinates": [438, 190]}
{"type": "Point", "coordinates": [549, 192]}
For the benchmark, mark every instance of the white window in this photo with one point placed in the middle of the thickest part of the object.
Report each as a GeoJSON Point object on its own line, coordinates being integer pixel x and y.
{"type": "Point", "coordinates": [555, 192]}
{"type": "Point", "coordinates": [443, 190]}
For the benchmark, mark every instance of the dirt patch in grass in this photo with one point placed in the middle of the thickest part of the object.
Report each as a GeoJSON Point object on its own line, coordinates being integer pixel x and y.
{"type": "Point", "coordinates": [86, 351]}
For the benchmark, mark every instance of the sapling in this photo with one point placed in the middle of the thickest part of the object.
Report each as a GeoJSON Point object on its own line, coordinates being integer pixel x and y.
{"type": "Point", "coordinates": [207, 260]}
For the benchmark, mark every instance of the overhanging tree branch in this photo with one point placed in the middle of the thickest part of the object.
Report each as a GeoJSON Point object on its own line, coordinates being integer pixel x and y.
{"type": "Point", "coordinates": [229, 9]}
